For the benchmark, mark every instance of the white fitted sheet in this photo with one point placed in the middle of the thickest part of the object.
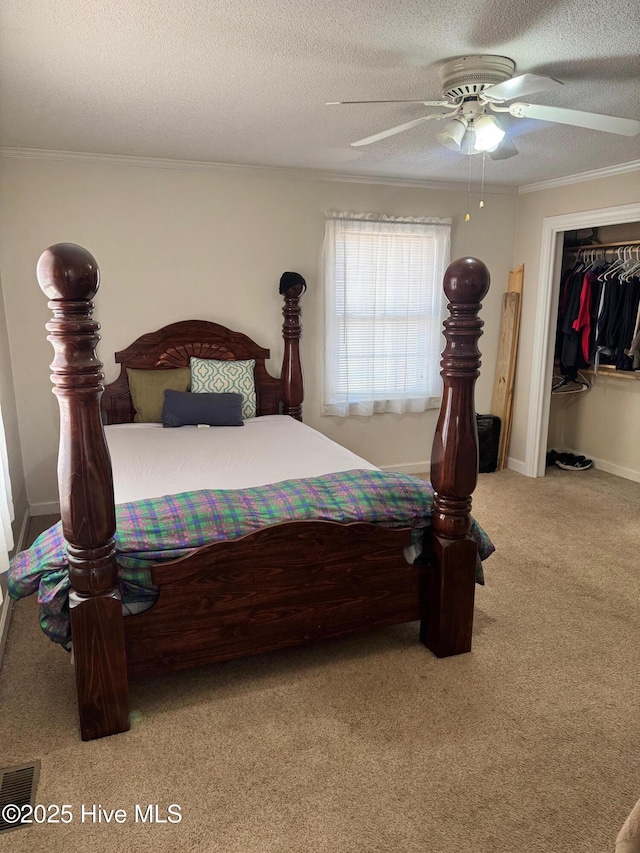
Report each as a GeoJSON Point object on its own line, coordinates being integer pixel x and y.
{"type": "Point", "coordinates": [150, 461]}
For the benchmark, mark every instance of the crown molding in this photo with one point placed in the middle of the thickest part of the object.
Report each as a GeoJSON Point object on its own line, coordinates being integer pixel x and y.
{"type": "Point", "coordinates": [594, 175]}
{"type": "Point", "coordinates": [232, 168]}
{"type": "Point", "coordinates": [305, 174]}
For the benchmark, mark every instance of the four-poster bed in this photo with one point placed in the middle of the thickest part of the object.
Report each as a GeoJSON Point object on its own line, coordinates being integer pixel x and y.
{"type": "Point", "coordinates": [277, 586]}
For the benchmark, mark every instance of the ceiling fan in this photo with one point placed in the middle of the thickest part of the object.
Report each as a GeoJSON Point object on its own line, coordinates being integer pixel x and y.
{"type": "Point", "coordinates": [475, 87]}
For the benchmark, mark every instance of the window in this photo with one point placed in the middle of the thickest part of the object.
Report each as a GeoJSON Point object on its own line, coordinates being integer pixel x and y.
{"type": "Point", "coordinates": [384, 307]}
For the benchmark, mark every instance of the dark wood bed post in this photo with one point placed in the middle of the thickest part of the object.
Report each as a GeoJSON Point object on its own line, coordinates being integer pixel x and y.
{"type": "Point", "coordinates": [69, 276]}
{"type": "Point", "coordinates": [292, 381]}
{"type": "Point", "coordinates": [447, 628]}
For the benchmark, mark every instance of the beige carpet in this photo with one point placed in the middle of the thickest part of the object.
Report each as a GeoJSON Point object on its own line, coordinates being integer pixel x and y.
{"type": "Point", "coordinates": [530, 744]}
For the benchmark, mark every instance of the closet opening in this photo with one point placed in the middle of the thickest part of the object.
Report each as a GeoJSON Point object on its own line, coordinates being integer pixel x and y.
{"type": "Point", "coordinates": [554, 231]}
{"type": "Point", "coordinates": [597, 352]}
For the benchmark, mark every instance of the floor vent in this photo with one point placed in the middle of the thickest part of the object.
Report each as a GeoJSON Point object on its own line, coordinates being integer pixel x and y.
{"type": "Point", "coordinates": [18, 789]}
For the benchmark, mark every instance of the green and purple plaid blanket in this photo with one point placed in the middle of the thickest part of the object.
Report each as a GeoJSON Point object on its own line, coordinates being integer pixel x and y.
{"type": "Point", "coordinates": [162, 529]}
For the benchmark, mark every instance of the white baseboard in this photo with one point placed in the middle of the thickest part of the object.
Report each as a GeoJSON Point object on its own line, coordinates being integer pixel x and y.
{"type": "Point", "coordinates": [7, 603]}
{"type": "Point", "coordinates": [610, 468]}
{"type": "Point", "coordinates": [408, 468]}
{"type": "Point", "coordinates": [45, 508]}
{"type": "Point", "coordinates": [516, 465]}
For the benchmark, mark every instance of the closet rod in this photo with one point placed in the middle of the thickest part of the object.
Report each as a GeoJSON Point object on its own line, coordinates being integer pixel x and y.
{"type": "Point", "coordinates": [602, 246]}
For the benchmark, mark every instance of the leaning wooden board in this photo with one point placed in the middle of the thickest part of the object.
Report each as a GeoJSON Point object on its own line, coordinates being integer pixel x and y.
{"type": "Point", "coordinates": [502, 403]}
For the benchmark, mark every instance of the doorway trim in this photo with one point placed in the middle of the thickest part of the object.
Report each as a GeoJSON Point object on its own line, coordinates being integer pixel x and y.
{"type": "Point", "coordinates": [553, 228]}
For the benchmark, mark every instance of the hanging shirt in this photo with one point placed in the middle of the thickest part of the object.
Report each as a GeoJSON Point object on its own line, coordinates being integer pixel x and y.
{"type": "Point", "coordinates": [571, 353]}
{"type": "Point", "coordinates": [630, 299]}
{"type": "Point", "coordinates": [607, 334]}
{"type": "Point", "coordinates": [582, 323]}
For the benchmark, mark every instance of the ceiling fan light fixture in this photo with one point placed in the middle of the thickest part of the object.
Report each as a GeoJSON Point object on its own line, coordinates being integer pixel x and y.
{"type": "Point", "coordinates": [452, 133]}
{"type": "Point", "coordinates": [488, 133]}
{"type": "Point", "coordinates": [467, 145]}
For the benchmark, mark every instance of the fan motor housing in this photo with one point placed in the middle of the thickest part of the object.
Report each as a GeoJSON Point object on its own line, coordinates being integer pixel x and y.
{"type": "Point", "coordinates": [467, 76]}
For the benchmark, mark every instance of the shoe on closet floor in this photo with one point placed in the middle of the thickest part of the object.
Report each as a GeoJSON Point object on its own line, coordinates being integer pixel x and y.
{"type": "Point", "coordinates": [571, 462]}
{"type": "Point", "coordinates": [552, 455]}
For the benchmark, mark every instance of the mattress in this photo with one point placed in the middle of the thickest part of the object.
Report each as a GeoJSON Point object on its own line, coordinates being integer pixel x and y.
{"type": "Point", "coordinates": [150, 461]}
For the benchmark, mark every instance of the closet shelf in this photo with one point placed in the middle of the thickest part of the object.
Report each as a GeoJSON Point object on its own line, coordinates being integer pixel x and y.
{"type": "Point", "coordinates": [609, 370]}
{"type": "Point", "coordinates": [602, 246]}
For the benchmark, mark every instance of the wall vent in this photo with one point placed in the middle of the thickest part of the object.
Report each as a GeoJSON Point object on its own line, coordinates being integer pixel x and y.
{"type": "Point", "coordinates": [18, 788]}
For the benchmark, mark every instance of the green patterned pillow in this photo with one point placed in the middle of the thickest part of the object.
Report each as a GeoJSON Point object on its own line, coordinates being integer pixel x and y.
{"type": "Point", "coordinates": [219, 377]}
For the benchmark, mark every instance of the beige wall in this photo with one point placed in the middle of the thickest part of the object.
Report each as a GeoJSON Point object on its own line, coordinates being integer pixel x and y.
{"type": "Point", "coordinates": [177, 244]}
{"type": "Point", "coordinates": [615, 403]}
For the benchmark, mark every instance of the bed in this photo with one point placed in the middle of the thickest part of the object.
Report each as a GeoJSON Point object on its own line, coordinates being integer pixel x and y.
{"type": "Point", "coordinates": [293, 580]}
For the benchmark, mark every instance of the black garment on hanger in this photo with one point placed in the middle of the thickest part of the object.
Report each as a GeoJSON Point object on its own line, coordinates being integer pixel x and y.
{"type": "Point", "coordinates": [596, 296]}
{"type": "Point", "coordinates": [564, 289]}
{"type": "Point", "coordinates": [630, 298]}
{"type": "Point", "coordinates": [608, 322]}
{"type": "Point", "coordinates": [571, 358]}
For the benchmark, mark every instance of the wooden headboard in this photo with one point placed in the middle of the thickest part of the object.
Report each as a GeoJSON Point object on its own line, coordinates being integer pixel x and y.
{"type": "Point", "coordinates": [173, 346]}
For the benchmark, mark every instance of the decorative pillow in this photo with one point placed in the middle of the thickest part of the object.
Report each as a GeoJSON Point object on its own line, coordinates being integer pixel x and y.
{"type": "Point", "coordinates": [182, 408]}
{"type": "Point", "coordinates": [216, 377]}
{"type": "Point", "coordinates": [147, 391]}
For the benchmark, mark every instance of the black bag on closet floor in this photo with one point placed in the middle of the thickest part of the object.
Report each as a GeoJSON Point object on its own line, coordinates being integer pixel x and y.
{"type": "Point", "coordinates": [488, 441]}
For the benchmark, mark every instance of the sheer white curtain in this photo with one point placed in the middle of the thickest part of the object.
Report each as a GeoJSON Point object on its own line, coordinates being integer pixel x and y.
{"type": "Point", "coordinates": [383, 313]}
{"type": "Point", "coordinates": [6, 506]}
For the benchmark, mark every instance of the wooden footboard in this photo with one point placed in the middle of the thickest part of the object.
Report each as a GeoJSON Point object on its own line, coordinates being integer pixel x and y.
{"type": "Point", "coordinates": [280, 586]}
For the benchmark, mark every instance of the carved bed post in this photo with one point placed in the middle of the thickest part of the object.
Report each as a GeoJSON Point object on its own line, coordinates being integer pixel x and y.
{"type": "Point", "coordinates": [69, 276]}
{"type": "Point", "coordinates": [448, 625]}
{"type": "Point", "coordinates": [292, 382]}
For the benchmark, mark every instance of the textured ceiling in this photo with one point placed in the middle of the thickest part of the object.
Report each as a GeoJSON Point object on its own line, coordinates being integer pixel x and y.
{"type": "Point", "coordinates": [245, 83]}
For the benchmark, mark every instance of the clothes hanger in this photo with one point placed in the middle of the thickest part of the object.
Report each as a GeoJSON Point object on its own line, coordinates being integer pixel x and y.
{"type": "Point", "coordinates": [592, 260]}
{"type": "Point", "coordinates": [579, 264]}
{"type": "Point", "coordinates": [570, 386]}
{"type": "Point", "coordinates": [566, 385]}
{"type": "Point", "coordinates": [635, 265]}
{"type": "Point", "coordinates": [616, 265]}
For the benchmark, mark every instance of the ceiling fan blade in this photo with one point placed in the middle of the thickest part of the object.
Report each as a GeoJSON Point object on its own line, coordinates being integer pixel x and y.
{"type": "Point", "coordinates": [517, 87]}
{"type": "Point", "coordinates": [504, 151]}
{"type": "Point", "coordinates": [577, 118]}
{"type": "Point", "coordinates": [392, 131]}
{"type": "Point", "coordinates": [424, 103]}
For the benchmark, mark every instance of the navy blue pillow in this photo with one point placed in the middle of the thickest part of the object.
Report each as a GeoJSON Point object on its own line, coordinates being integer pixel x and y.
{"type": "Point", "coordinates": [183, 408]}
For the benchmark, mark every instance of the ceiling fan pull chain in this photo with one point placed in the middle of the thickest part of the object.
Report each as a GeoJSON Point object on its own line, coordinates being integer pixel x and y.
{"type": "Point", "coordinates": [467, 216]}
{"type": "Point", "coordinates": [481, 205]}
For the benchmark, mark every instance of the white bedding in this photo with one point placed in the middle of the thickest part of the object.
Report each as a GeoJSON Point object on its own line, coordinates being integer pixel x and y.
{"type": "Point", "coordinates": [150, 461]}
